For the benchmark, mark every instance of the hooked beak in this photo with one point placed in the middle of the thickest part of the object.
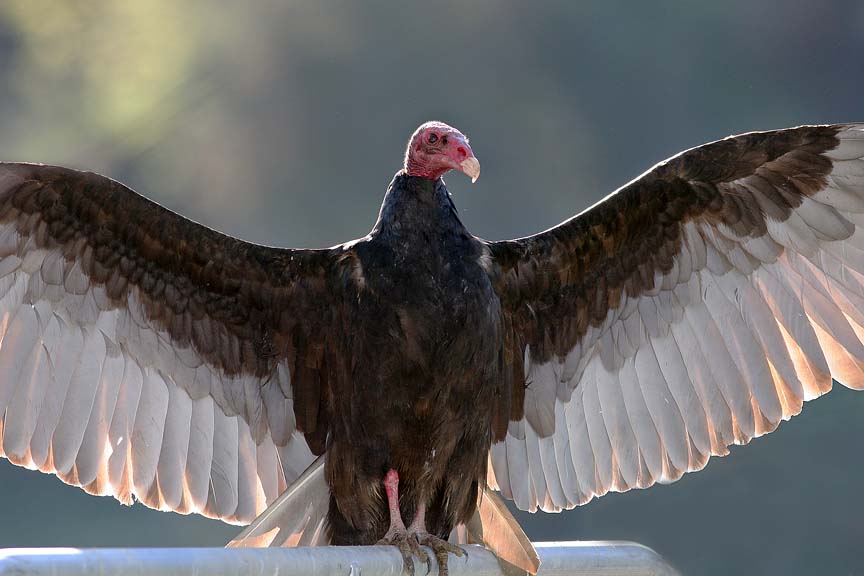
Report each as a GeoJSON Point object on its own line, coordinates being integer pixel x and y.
{"type": "Point", "coordinates": [471, 168]}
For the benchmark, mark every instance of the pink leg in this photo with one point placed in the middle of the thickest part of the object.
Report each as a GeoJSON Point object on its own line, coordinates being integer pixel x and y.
{"type": "Point", "coordinates": [418, 525]}
{"type": "Point", "coordinates": [391, 487]}
{"type": "Point", "coordinates": [397, 535]}
{"type": "Point", "coordinates": [409, 541]}
{"type": "Point", "coordinates": [439, 546]}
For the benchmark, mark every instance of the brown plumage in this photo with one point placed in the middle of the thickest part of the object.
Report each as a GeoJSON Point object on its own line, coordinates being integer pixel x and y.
{"type": "Point", "coordinates": [146, 355]}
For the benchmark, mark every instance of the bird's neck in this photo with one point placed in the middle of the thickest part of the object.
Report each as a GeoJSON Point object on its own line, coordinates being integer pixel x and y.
{"type": "Point", "coordinates": [415, 205]}
{"type": "Point", "coordinates": [423, 169]}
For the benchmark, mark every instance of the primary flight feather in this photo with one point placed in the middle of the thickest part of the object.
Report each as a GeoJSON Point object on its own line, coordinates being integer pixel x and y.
{"type": "Point", "coordinates": [146, 356]}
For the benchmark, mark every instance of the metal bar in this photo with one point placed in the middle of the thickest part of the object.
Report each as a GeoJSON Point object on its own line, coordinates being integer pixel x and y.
{"type": "Point", "coordinates": [558, 559]}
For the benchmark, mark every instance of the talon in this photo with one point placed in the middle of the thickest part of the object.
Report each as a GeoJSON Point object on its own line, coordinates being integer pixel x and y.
{"type": "Point", "coordinates": [407, 557]}
{"type": "Point", "coordinates": [419, 552]}
{"type": "Point", "coordinates": [441, 548]}
{"type": "Point", "coordinates": [408, 547]}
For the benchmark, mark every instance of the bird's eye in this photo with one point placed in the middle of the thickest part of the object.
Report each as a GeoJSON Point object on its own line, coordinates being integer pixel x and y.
{"type": "Point", "coordinates": [433, 138]}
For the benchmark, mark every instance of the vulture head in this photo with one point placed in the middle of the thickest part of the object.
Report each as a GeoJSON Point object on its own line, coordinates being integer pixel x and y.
{"type": "Point", "coordinates": [436, 148]}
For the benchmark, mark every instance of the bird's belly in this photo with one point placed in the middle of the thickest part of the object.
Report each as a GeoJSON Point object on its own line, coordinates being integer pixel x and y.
{"type": "Point", "coordinates": [422, 370]}
{"type": "Point", "coordinates": [451, 339]}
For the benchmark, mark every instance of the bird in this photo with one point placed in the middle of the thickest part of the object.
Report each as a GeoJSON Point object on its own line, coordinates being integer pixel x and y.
{"type": "Point", "coordinates": [386, 389]}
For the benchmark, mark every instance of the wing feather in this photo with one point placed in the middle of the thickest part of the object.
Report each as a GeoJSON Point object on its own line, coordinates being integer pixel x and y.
{"type": "Point", "coordinates": [798, 333]}
{"type": "Point", "coordinates": [580, 450]}
{"type": "Point", "coordinates": [852, 145]}
{"type": "Point", "coordinates": [597, 434]}
{"type": "Point", "coordinates": [547, 484]}
{"type": "Point", "coordinates": [20, 339]}
{"type": "Point", "coordinates": [824, 220]}
{"type": "Point", "coordinates": [269, 474]}
{"type": "Point", "coordinates": [726, 372]}
{"type": "Point", "coordinates": [684, 395]}
{"type": "Point", "coordinates": [700, 374]}
{"type": "Point", "coordinates": [562, 454]}
{"type": "Point", "coordinates": [662, 408]}
{"type": "Point", "coordinates": [80, 395]}
{"type": "Point", "coordinates": [647, 437]}
{"type": "Point", "coordinates": [247, 473]}
{"type": "Point", "coordinates": [175, 447]}
{"type": "Point", "coordinates": [28, 397]}
{"type": "Point", "coordinates": [222, 495]}
{"type": "Point", "coordinates": [621, 436]}
{"type": "Point", "coordinates": [501, 469]}
{"type": "Point", "coordinates": [147, 433]}
{"type": "Point", "coordinates": [517, 464]}
{"type": "Point", "coordinates": [199, 456]}
{"type": "Point", "coordinates": [120, 432]}
{"type": "Point", "coordinates": [744, 350]}
{"type": "Point", "coordinates": [92, 457]}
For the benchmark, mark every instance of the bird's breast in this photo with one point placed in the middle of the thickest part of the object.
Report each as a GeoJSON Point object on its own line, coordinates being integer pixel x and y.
{"type": "Point", "coordinates": [430, 303]}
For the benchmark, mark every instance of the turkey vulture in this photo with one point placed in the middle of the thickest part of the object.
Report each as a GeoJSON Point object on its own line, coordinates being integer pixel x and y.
{"type": "Point", "coordinates": [395, 380]}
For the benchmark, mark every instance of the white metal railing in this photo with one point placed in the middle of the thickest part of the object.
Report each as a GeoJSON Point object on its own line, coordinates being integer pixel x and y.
{"type": "Point", "coordinates": [558, 559]}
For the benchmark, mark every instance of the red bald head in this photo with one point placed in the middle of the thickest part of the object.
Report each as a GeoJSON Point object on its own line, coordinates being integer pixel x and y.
{"type": "Point", "coordinates": [436, 148]}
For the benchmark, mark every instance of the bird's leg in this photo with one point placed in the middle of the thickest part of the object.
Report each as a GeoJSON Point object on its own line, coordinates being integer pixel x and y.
{"type": "Point", "coordinates": [391, 487]}
{"type": "Point", "coordinates": [418, 525]}
{"type": "Point", "coordinates": [417, 532]}
{"type": "Point", "coordinates": [397, 535]}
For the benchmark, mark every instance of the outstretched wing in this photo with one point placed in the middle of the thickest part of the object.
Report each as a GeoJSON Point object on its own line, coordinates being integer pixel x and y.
{"type": "Point", "coordinates": [694, 308]}
{"type": "Point", "coordinates": [144, 355]}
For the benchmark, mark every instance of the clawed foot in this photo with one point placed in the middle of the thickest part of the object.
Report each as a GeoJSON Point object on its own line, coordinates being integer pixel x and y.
{"type": "Point", "coordinates": [441, 548]}
{"type": "Point", "coordinates": [410, 540]}
{"type": "Point", "coordinates": [409, 547]}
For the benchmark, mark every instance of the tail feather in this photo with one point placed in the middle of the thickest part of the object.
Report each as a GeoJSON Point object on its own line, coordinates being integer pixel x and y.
{"type": "Point", "coordinates": [493, 526]}
{"type": "Point", "coordinates": [298, 516]}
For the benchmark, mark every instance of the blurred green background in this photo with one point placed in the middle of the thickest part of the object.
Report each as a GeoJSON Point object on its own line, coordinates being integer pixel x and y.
{"type": "Point", "coordinates": [282, 122]}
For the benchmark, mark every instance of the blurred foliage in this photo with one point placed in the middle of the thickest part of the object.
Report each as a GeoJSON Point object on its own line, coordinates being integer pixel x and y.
{"type": "Point", "coordinates": [123, 67]}
{"type": "Point", "coordinates": [282, 122]}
